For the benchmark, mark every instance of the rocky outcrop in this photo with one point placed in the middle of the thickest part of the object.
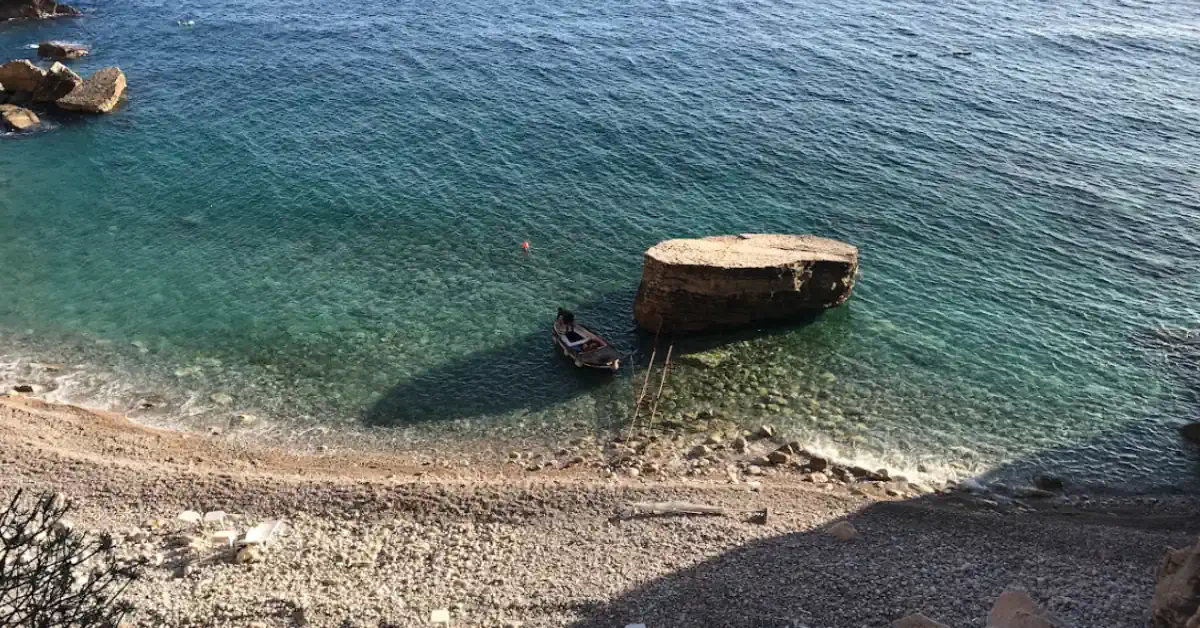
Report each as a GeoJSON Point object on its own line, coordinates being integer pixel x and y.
{"type": "Point", "coordinates": [1191, 432]}
{"type": "Point", "coordinates": [18, 119]}
{"type": "Point", "coordinates": [725, 281]}
{"type": "Point", "coordinates": [59, 82]}
{"type": "Point", "coordinates": [61, 50]}
{"type": "Point", "coordinates": [99, 93]}
{"type": "Point", "coordinates": [1176, 601]}
{"type": "Point", "coordinates": [34, 9]}
{"type": "Point", "coordinates": [21, 76]}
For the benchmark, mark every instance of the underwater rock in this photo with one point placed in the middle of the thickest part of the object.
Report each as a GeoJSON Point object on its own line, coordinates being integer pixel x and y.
{"type": "Point", "coordinates": [99, 93]}
{"type": "Point", "coordinates": [711, 359]}
{"type": "Point", "coordinates": [34, 9]}
{"type": "Point", "coordinates": [725, 281]}
{"type": "Point", "coordinates": [1048, 482]}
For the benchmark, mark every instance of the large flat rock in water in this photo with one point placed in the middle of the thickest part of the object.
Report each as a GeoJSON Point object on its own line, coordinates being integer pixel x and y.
{"type": "Point", "coordinates": [727, 281]}
{"type": "Point", "coordinates": [99, 93]}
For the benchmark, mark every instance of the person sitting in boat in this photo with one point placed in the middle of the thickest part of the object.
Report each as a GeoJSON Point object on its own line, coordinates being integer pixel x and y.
{"type": "Point", "coordinates": [567, 319]}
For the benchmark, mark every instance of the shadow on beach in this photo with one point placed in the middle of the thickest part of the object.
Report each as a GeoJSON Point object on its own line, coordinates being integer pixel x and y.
{"type": "Point", "coordinates": [949, 556]}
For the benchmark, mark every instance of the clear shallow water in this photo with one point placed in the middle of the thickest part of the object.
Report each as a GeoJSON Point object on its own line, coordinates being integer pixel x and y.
{"type": "Point", "coordinates": [318, 210]}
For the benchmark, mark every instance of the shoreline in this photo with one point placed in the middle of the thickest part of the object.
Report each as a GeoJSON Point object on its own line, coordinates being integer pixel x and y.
{"type": "Point", "coordinates": [160, 404]}
{"type": "Point", "coordinates": [387, 539]}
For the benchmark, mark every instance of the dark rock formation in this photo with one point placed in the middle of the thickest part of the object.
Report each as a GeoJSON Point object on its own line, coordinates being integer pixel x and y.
{"type": "Point", "coordinates": [61, 50]}
{"type": "Point", "coordinates": [21, 76]}
{"type": "Point", "coordinates": [99, 93]}
{"type": "Point", "coordinates": [18, 119]}
{"type": "Point", "coordinates": [725, 281]}
{"type": "Point", "coordinates": [1191, 432]}
{"type": "Point", "coordinates": [59, 82]}
{"type": "Point", "coordinates": [34, 9]}
{"type": "Point", "coordinates": [1176, 601]}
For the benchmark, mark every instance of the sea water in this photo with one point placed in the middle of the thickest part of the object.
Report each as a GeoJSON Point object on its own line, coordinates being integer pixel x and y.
{"type": "Point", "coordinates": [313, 212]}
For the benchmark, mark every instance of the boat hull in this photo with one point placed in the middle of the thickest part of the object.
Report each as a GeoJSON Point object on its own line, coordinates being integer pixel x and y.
{"type": "Point", "coordinates": [603, 357]}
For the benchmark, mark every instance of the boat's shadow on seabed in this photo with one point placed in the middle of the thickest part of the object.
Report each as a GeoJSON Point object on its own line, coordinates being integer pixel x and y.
{"type": "Point", "coordinates": [526, 375]}
{"type": "Point", "coordinates": [530, 374]}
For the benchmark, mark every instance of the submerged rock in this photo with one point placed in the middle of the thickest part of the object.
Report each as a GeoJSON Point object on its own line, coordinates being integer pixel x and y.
{"type": "Point", "coordinates": [61, 50]}
{"type": "Point", "coordinates": [18, 119]}
{"type": "Point", "coordinates": [1048, 482]}
{"type": "Point", "coordinates": [34, 9]}
{"type": "Point", "coordinates": [1176, 601]}
{"type": "Point", "coordinates": [99, 93]}
{"type": "Point", "coordinates": [21, 76]}
{"type": "Point", "coordinates": [724, 281]}
{"type": "Point", "coordinates": [711, 359]}
{"type": "Point", "coordinates": [58, 82]}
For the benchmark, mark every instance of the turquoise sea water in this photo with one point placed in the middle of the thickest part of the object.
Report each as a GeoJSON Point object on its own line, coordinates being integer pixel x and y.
{"type": "Point", "coordinates": [317, 209]}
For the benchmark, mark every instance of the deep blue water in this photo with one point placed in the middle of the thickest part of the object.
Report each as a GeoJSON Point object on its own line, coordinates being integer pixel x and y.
{"type": "Point", "coordinates": [317, 208]}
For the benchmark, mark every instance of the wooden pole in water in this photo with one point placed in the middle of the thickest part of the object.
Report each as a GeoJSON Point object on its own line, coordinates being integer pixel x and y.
{"type": "Point", "coordinates": [637, 407]}
{"type": "Point", "coordinates": [662, 382]}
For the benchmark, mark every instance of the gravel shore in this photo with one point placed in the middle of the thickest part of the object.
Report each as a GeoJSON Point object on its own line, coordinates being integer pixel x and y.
{"type": "Point", "coordinates": [389, 540]}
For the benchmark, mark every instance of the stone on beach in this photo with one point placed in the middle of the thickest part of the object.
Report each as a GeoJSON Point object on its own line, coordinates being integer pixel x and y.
{"type": "Point", "coordinates": [21, 76]}
{"type": "Point", "coordinates": [778, 457]}
{"type": "Point", "coordinates": [61, 50]}
{"type": "Point", "coordinates": [249, 554]}
{"type": "Point", "coordinates": [1176, 601]}
{"type": "Point", "coordinates": [1015, 609]}
{"type": "Point", "coordinates": [99, 93]}
{"type": "Point", "coordinates": [917, 620]}
{"type": "Point", "coordinates": [725, 281]}
{"type": "Point", "coordinates": [843, 531]}
{"type": "Point", "coordinates": [58, 82]}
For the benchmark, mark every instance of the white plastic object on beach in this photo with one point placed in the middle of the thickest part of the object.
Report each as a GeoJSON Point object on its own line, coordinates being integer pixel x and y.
{"type": "Point", "coordinates": [190, 516]}
{"type": "Point", "coordinates": [262, 533]}
{"type": "Point", "coordinates": [225, 538]}
{"type": "Point", "coordinates": [440, 616]}
{"type": "Point", "coordinates": [215, 516]}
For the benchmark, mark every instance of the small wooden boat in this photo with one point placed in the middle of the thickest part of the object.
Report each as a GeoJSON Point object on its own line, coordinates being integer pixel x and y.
{"type": "Point", "coordinates": [584, 347]}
